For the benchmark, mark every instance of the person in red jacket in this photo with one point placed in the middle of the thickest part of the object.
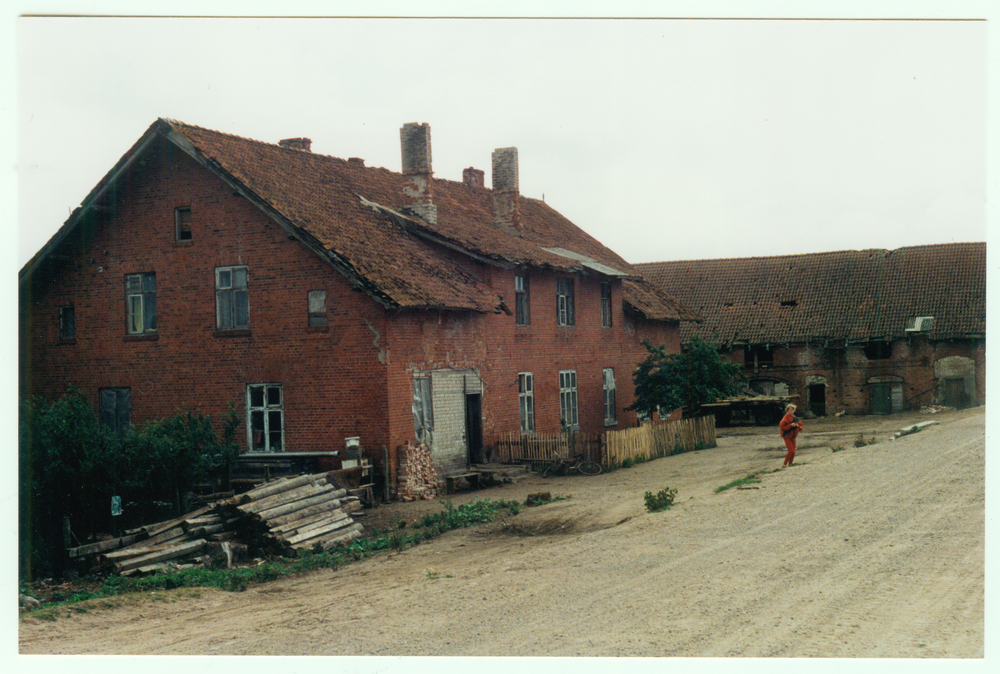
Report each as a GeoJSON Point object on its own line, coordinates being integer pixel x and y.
{"type": "Point", "coordinates": [790, 427]}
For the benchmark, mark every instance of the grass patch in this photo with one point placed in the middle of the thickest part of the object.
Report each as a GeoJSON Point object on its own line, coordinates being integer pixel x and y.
{"type": "Point", "coordinates": [739, 482]}
{"type": "Point", "coordinates": [237, 580]}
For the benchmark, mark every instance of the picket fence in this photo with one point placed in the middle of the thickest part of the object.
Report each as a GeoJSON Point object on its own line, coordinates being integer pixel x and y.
{"type": "Point", "coordinates": [649, 441]}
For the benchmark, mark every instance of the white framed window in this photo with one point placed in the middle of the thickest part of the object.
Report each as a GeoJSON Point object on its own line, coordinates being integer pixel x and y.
{"type": "Point", "coordinates": [232, 308]}
{"type": "Point", "coordinates": [526, 401]}
{"type": "Point", "coordinates": [522, 300]}
{"type": "Point", "coordinates": [265, 418]}
{"type": "Point", "coordinates": [317, 308]}
{"type": "Point", "coordinates": [569, 416]}
{"type": "Point", "coordinates": [564, 301]}
{"type": "Point", "coordinates": [140, 301]}
{"type": "Point", "coordinates": [609, 397]}
{"type": "Point", "coordinates": [423, 408]}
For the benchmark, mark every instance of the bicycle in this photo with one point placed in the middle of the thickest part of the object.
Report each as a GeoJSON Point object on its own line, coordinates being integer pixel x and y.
{"type": "Point", "coordinates": [578, 464]}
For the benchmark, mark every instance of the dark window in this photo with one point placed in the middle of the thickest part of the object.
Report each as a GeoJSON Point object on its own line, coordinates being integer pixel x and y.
{"type": "Point", "coordinates": [758, 356]}
{"type": "Point", "coordinates": [231, 300]}
{"type": "Point", "coordinates": [878, 350]}
{"type": "Point", "coordinates": [67, 322]}
{"type": "Point", "coordinates": [606, 305]}
{"type": "Point", "coordinates": [522, 299]}
{"type": "Point", "coordinates": [265, 418]}
{"type": "Point", "coordinates": [317, 308]}
{"type": "Point", "coordinates": [564, 301]}
{"type": "Point", "coordinates": [116, 408]}
{"type": "Point", "coordinates": [140, 299]}
{"type": "Point", "coordinates": [182, 223]}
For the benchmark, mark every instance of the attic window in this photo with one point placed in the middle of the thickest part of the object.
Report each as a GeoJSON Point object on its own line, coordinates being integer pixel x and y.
{"type": "Point", "coordinates": [878, 350]}
{"type": "Point", "coordinates": [920, 324]}
{"type": "Point", "coordinates": [182, 223]}
{"type": "Point", "coordinates": [790, 303]}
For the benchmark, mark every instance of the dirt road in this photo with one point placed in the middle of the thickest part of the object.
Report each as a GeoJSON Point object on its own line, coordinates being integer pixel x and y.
{"type": "Point", "coordinates": [868, 552]}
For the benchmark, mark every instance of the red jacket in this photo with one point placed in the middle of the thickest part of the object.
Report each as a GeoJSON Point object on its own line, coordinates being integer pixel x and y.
{"type": "Point", "coordinates": [790, 426]}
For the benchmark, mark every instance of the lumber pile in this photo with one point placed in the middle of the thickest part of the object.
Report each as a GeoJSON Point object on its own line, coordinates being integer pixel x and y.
{"type": "Point", "coordinates": [417, 477]}
{"type": "Point", "coordinates": [277, 518]}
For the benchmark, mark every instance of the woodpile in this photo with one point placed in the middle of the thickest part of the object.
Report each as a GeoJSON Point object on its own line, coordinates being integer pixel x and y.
{"type": "Point", "coordinates": [277, 518]}
{"type": "Point", "coordinates": [417, 478]}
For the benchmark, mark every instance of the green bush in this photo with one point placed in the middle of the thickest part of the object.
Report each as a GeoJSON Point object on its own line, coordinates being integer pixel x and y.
{"type": "Point", "coordinates": [71, 465]}
{"type": "Point", "coordinates": [661, 500]}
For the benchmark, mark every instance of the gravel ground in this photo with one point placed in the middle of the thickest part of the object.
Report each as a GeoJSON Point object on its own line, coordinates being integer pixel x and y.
{"type": "Point", "coordinates": [869, 552]}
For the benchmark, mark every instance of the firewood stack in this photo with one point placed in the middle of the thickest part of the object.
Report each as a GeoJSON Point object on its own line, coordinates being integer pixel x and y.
{"type": "Point", "coordinates": [277, 518]}
{"type": "Point", "coordinates": [418, 479]}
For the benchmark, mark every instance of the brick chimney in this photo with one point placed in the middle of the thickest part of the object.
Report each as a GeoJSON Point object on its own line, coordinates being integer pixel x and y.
{"type": "Point", "coordinates": [418, 193]}
{"type": "Point", "coordinates": [473, 177]}
{"type": "Point", "coordinates": [296, 144]}
{"type": "Point", "coordinates": [506, 194]}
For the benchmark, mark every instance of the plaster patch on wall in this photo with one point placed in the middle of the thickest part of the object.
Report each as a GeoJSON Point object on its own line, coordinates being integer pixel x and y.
{"type": "Point", "coordinates": [382, 356]}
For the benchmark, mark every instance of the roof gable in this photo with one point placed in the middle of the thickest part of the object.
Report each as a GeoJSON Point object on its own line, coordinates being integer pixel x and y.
{"type": "Point", "coordinates": [353, 216]}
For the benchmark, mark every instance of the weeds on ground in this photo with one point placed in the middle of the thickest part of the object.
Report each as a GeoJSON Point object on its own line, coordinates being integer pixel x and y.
{"type": "Point", "coordinates": [861, 442]}
{"type": "Point", "coordinates": [739, 482]}
{"type": "Point", "coordinates": [661, 500]}
{"type": "Point", "coordinates": [535, 500]}
{"type": "Point", "coordinates": [434, 575]}
{"type": "Point", "coordinates": [238, 579]}
{"type": "Point", "coordinates": [838, 448]}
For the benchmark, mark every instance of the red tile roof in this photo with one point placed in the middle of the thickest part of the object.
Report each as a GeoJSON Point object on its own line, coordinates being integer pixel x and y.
{"type": "Point", "coordinates": [354, 216]}
{"type": "Point", "coordinates": [846, 295]}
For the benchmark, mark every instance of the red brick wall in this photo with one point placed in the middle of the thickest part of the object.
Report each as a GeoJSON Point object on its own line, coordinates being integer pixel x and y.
{"type": "Point", "coordinates": [848, 371]}
{"type": "Point", "coordinates": [352, 378]}
{"type": "Point", "coordinates": [327, 374]}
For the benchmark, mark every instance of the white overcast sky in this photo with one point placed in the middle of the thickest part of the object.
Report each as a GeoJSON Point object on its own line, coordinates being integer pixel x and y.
{"type": "Point", "coordinates": [665, 139]}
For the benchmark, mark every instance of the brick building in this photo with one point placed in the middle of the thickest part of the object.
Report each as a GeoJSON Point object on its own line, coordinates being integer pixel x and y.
{"type": "Point", "coordinates": [871, 331]}
{"type": "Point", "coordinates": [329, 300]}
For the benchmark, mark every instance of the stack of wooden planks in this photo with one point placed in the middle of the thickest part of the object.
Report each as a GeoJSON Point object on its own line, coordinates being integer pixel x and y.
{"type": "Point", "coordinates": [277, 518]}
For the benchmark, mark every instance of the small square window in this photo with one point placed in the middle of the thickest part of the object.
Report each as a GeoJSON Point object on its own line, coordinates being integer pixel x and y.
{"type": "Point", "coordinates": [317, 308]}
{"type": "Point", "coordinates": [182, 223]}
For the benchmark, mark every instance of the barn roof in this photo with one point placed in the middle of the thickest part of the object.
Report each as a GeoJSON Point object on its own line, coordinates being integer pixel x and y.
{"type": "Point", "coordinates": [851, 295]}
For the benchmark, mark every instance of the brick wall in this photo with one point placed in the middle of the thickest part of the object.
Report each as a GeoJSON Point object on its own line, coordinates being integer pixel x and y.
{"type": "Point", "coordinates": [847, 373]}
{"type": "Point", "coordinates": [353, 377]}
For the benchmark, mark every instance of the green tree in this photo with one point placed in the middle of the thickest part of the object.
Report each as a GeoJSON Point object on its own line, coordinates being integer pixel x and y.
{"type": "Point", "coordinates": [684, 380]}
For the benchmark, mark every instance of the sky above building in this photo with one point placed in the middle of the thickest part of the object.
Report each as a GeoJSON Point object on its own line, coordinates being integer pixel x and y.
{"type": "Point", "coordinates": [665, 139]}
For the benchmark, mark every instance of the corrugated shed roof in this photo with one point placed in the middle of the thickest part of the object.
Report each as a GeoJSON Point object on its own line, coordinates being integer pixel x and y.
{"type": "Point", "coordinates": [845, 295]}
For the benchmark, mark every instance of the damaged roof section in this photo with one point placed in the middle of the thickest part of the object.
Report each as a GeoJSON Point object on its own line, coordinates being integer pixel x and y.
{"type": "Point", "coordinates": [841, 296]}
{"type": "Point", "coordinates": [386, 231]}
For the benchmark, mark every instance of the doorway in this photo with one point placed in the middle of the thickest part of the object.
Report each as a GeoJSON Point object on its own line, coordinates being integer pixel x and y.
{"type": "Point", "coordinates": [817, 399]}
{"type": "Point", "coordinates": [474, 427]}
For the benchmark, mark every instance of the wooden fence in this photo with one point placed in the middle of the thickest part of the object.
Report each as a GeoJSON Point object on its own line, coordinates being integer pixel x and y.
{"type": "Point", "coordinates": [648, 441]}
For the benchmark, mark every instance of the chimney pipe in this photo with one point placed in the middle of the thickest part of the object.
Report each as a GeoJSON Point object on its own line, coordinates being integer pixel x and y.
{"type": "Point", "coordinates": [473, 177]}
{"type": "Point", "coordinates": [303, 144]}
{"type": "Point", "coordinates": [506, 194]}
{"type": "Point", "coordinates": [418, 194]}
